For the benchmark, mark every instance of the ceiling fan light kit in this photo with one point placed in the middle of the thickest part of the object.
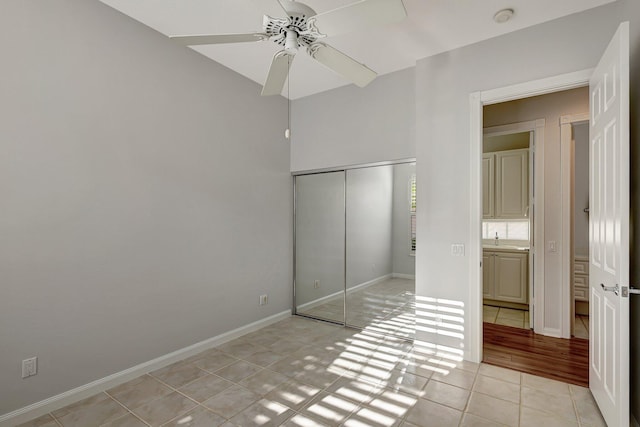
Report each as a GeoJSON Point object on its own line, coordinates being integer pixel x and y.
{"type": "Point", "coordinates": [302, 28]}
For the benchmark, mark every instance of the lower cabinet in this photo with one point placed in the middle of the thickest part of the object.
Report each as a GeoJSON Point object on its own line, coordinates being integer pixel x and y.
{"type": "Point", "coordinates": [505, 276]}
{"type": "Point", "coordinates": [581, 278]}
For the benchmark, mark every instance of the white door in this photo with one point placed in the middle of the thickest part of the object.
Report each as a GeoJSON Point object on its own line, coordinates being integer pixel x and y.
{"type": "Point", "coordinates": [609, 231]}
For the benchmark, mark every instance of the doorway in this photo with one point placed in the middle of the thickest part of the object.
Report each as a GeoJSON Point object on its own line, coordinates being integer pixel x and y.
{"type": "Point", "coordinates": [574, 131]}
{"type": "Point", "coordinates": [540, 218]}
{"type": "Point", "coordinates": [507, 183]}
{"type": "Point", "coordinates": [609, 227]}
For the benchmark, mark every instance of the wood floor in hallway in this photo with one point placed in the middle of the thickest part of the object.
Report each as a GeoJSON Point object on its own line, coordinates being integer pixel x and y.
{"type": "Point", "coordinates": [522, 350]}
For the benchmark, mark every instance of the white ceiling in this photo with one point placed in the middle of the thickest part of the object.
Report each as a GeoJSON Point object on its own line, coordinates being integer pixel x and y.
{"type": "Point", "coordinates": [432, 26]}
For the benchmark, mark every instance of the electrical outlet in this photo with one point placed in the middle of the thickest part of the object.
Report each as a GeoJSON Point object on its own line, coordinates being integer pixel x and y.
{"type": "Point", "coordinates": [316, 284]}
{"type": "Point", "coordinates": [263, 299]}
{"type": "Point", "coordinates": [29, 367]}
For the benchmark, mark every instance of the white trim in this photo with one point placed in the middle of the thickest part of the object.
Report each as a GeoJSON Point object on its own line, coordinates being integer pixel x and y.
{"type": "Point", "coordinates": [477, 100]}
{"type": "Point", "coordinates": [574, 118]}
{"type": "Point", "coordinates": [369, 283]}
{"type": "Point", "coordinates": [536, 87]}
{"type": "Point", "coordinates": [319, 301]}
{"type": "Point", "coordinates": [514, 128]}
{"type": "Point", "coordinates": [566, 171]}
{"type": "Point", "coordinates": [352, 166]}
{"type": "Point", "coordinates": [322, 300]}
{"type": "Point", "coordinates": [474, 352]}
{"type": "Point", "coordinates": [403, 276]}
{"type": "Point", "coordinates": [61, 400]}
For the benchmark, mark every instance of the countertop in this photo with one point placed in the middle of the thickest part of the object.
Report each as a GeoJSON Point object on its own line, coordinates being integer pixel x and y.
{"type": "Point", "coordinates": [505, 248]}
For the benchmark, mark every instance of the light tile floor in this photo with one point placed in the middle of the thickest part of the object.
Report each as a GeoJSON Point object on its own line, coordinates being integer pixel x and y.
{"type": "Point", "coordinates": [506, 316]}
{"type": "Point", "coordinates": [581, 327]}
{"type": "Point", "coordinates": [388, 305]}
{"type": "Point", "coordinates": [520, 319]}
{"type": "Point", "coordinates": [300, 372]}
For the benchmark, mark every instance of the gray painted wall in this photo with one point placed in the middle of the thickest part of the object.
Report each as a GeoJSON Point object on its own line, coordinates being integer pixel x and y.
{"type": "Point", "coordinates": [403, 261]}
{"type": "Point", "coordinates": [351, 126]}
{"type": "Point", "coordinates": [369, 224]}
{"type": "Point", "coordinates": [581, 189]}
{"type": "Point", "coordinates": [145, 197]}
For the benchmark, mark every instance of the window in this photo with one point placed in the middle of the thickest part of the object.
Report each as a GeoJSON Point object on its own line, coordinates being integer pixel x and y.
{"type": "Point", "coordinates": [412, 213]}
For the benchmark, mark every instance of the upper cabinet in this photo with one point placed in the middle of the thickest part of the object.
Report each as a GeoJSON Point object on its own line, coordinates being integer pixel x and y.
{"type": "Point", "coordinates": [505, 184]}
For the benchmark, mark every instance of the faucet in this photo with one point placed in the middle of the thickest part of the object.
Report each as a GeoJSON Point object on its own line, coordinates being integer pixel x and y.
{"type": "Point", "coordinates": [497, 239]}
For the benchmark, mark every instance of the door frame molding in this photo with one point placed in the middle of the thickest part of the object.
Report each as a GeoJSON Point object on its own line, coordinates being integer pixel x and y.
{"type": "Point", "coordinates": [566, 248]}
{"type": "Point", "coordinates": [476, 101]}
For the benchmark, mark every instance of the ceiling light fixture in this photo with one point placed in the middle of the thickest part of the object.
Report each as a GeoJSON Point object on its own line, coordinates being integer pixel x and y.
{"type": "Point", "coordinates": [503, 16]}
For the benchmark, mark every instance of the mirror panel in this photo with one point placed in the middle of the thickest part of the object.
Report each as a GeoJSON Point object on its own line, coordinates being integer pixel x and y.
{"type": "Point", "coordinates": [380, 258]}
{"type": "Point", "coordinates": [367, 214]}
{"type": "Point", "coordinates": [320, 250]}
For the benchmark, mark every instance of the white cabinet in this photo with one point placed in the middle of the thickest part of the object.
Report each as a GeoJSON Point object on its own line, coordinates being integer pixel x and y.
{"type": "Point", "coordinates": [487, 274]}
{"type": "Point", "coordinates": [488, 185]}
{"type": "Point", "coordinates": [505, 184]}
{"type": "Point", "coordinates": [581, 278]}
{"type": "Point", "coordinates": [505, 276]}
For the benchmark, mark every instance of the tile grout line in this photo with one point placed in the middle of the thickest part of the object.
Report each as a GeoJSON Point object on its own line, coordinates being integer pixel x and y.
{"type": "Point", "coordinates": [520, 400]}
{"type": "Point", "coordinates": [126, 408]}
{"type": "Point", "coordinates": [466, 406]}
{"type": "Point", "coordinates": [575, 406]}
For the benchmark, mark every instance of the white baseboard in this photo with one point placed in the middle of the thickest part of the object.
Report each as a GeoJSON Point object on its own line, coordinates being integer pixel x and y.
{"type": "Point", "coordinates": [316, 302]}
{"type": "Point", "coordinates": [403, 276]}
{"type": "Point", "coordinates": [61, 400]}
{"type": "Point", "coordinates": [369, 283]}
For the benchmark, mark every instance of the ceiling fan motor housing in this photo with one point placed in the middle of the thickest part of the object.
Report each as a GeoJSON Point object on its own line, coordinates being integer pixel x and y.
{"type": "Point", "coordinates": [294, 31]}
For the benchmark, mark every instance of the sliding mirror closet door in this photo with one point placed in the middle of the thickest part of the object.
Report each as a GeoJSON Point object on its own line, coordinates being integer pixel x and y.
{"type": "Point", "coordinates": [380, 229]}
{"type": "Point", "coordinates": [320, 246]}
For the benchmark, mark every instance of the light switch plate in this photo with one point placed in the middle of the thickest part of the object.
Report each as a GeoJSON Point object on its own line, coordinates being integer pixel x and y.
{"type": "Point", "coordinates": [457, 249]}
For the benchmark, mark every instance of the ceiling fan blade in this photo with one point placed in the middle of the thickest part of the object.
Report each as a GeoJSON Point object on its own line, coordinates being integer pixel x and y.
{"type": "Point", "coordinates": [278, 73]}
{"type": "Point", "coordinates": [358, 16]}
{"type": "Point", "coordinates": [342, 64]}
{"type": "Point", "coordinates": [219, 38]}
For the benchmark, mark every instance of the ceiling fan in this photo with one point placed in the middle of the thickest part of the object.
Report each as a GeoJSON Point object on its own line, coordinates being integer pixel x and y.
{"type": "Point", "coordinates": [303, 28]}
